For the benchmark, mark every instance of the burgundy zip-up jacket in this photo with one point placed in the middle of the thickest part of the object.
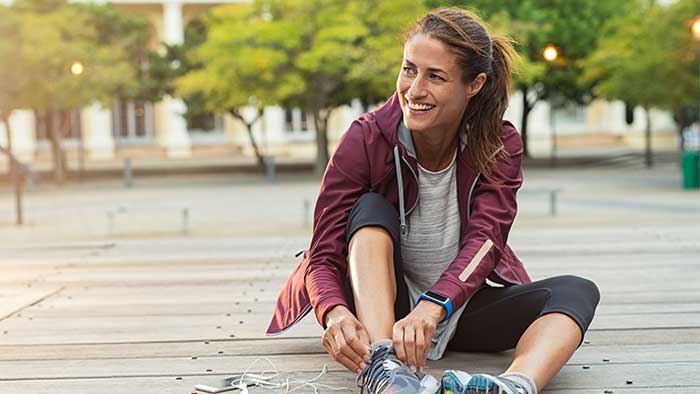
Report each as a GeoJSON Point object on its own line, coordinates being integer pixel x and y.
{"type": "Point", "coordinates": [366, 161]}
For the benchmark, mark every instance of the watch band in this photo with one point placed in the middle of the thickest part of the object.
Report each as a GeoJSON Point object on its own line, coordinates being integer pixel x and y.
{"type": "Point", "coordinates": [439, 299]}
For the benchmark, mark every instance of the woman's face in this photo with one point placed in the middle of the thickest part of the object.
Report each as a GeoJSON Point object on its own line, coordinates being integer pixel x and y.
{"type": "Point", "coordinates": [431, 90]}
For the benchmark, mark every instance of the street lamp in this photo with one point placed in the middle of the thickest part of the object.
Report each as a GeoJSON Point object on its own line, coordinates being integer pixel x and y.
{"type": "Point", "coordinates": [77, 68]}
{"type": "Point", "coordinates": [550, 54]}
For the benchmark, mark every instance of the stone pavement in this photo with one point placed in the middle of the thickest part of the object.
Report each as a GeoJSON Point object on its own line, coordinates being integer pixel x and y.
{"type": "Point", "coordinates": [112, 290]}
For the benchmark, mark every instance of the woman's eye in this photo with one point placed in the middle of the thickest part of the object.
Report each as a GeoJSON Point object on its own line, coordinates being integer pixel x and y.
{"type": "Point", "coordinates": [436, 77]}
{"type": "Point", "coordinates": [408, 70]}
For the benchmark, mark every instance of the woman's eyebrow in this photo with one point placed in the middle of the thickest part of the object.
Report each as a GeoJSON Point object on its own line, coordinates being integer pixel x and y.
{"type": "Point", "coordinates": [431, 69]}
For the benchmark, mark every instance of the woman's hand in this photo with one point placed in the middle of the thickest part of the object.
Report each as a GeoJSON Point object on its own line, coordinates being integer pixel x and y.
{"type": "Point", "coordinates": [346, 339]}
{"type": "Point", "coordinates": [413, 334]}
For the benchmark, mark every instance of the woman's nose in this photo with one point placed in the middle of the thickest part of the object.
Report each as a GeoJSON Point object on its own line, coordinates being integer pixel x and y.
{"type": "Point", "coordinates": [417, 88]}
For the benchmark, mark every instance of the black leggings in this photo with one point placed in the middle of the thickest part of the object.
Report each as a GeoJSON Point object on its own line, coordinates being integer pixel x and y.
{"type": "Point", "coordinates": [495, 317]}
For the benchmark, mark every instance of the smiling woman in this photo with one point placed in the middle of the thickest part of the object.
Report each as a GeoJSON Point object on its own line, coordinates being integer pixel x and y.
{"type": "Point", "coordinates": [409, 254]}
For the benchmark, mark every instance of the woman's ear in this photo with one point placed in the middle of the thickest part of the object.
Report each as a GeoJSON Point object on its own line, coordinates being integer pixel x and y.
{"type": "Point", "coordinates": [475, 85]}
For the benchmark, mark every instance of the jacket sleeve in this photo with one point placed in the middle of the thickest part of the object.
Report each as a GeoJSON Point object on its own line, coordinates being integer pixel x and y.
{"type": "Point", "coordinates": [344, 181]}
{"type": "Point", "coordinates": [493, 209]}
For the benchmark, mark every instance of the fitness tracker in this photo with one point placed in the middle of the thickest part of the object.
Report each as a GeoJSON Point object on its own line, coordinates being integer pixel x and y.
{"type": "Point", "coordinates": [438, 299]}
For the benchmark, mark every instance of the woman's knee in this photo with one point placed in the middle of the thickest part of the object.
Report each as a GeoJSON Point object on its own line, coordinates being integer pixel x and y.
{"type": "Point", "coordinates": [372, 211]}
{"type": "Point", "coordinates": [581, 287]}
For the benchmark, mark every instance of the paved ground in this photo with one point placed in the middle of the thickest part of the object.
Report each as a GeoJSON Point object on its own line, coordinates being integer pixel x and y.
{"type": "Point", "coordinates": [110, 290]}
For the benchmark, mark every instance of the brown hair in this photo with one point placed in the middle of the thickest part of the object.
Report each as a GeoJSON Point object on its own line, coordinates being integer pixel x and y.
{"type": "Point", "coordinates": [476, 52]}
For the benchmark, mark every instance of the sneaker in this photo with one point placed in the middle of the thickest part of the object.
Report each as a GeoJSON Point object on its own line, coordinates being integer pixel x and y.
{"type": "Point", "coordinates": [458, 382]}
{"type": "Point", "coordinates": [386, 374]}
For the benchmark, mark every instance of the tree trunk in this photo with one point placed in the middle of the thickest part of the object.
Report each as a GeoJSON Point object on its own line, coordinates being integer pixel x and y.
{"type": "Point", "coordinates": [322, 155]}
{"type": "Point", "coordinates": [249, 130]}
{"type": "Point", "coordinates": [527, 107]}
{"type": "Point", "coordinates": [55, 131]}
{"type": "Point", "coordinates": [648, 160]}
{"type": "Point", "coordinates": [10, 166]}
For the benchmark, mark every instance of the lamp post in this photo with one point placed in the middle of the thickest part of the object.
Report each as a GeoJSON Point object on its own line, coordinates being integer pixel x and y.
{"type": "Point", "coordinates": [695, 29]}
{"type": "Point", "coordinates": [550, 54]}
{"type": "Point", "coordinates": [77, 68]}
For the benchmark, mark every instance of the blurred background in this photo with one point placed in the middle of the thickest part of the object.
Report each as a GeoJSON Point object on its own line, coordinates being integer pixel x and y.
{"type": "Point", "coordinates": [143, 118]}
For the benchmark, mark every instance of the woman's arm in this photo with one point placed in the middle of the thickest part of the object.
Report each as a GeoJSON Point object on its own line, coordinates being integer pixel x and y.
{"type": "Point", "coordinates": [345, 180]}
{"type": "Point", "coordinates": [493, 209]}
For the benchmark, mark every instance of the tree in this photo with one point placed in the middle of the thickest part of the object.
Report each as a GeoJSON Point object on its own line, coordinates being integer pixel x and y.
{"type": "Point", "coordinates": [373, 78]}
{"type": "Point", "coordinates": [237, 68]}
{"type": "Point", "coordinates": [56, 36]}
{"type": "Point", "coordinates": [571, 25]}
{"type": "Point", "coordinates": [316, 55]}
{"type": "Point", "coordinates": [642, 60]}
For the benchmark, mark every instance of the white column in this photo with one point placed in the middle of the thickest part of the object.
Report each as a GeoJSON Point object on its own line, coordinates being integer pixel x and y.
{"type": "Point", "coordinates": [98, 139]}
{"type": "Point", "coordinates": [172, 128]}
{"type": "Point", "coordinates": [22, 124]}
{"type": "Point", "coordinates": [274, 123]}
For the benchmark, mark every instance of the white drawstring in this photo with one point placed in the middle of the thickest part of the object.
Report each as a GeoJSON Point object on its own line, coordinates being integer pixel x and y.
{"type": "Point", "coordinates": [263, 379]}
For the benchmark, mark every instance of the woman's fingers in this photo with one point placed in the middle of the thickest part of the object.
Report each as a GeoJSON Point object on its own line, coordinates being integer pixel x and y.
{"type": "Point", "coordinates": [347, 363]}
{"type": "Point", "coordinates": [360, 349]}
{"type": "Point", "coordinates": [363, 337]}
{"type": "Point", "coordinates": [409, 344]}
{"type": "Point", "coordinates": [420, 348]}
{"type": "Point", "coordinates": [398, 334]}
{"type": "Point", "coordinates": [351, 346]}
{"type": "Point", "coordinates": [428, 338]}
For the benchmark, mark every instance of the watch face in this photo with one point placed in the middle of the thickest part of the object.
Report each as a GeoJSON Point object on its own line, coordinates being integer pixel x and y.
{"type": "Point", "coordinates": [436, 296]}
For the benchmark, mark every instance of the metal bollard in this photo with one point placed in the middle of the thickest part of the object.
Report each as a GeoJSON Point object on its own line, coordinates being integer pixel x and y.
{"type": "Point", "coordinates": [110, 222]}
{"type": "Point", "coordinates": [306, 212]}
{"type": "Point", "coordinates": [128, 175]}
{"type": "Point", "coordinates": [553, 203]}
{"type": "Point", "coordinates": [185, 220]}
{"type": "Point", "coordinates": [269, 168]}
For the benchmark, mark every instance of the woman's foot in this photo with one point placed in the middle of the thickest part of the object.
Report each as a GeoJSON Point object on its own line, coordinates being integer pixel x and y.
{"type": "Point", "coordinates": [459, 382]}
{"type": "Point", "coordinates": [386, 374]}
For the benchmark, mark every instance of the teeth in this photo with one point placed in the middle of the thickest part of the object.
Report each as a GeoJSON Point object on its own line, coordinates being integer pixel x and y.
{"type": "Point", "coordinates": [419, 107]}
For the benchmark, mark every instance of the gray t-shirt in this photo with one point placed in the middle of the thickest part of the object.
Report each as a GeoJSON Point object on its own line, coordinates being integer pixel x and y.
{"type": "Point", "coordinates": [432, 243]}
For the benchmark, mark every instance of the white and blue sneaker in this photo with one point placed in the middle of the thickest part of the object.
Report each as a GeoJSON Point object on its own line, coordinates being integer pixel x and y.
{"type": "Point", "coordinates": [459, 382]}
{"type": "Point", "coordinates": [386, 374]}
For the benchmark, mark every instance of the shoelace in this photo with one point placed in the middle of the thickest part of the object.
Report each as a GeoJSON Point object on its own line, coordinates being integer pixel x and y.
{"type": "Point", "coordinates": [376, 376]}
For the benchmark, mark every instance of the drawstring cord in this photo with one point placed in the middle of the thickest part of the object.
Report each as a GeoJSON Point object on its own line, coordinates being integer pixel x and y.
{"type": "Point", "coordinates": [399, 179]}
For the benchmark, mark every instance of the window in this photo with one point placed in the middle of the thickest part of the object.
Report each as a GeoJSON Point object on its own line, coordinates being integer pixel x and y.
{"type": "Point", "coordinates": [295, 120]}
{"type": "Point", "coordinates": [68, 121]}
{"type": "Point", "coordinates": [132, 121]}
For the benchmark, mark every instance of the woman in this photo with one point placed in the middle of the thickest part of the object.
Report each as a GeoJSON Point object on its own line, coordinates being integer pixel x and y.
{"type": "Point", "coordinates": [409, 253]}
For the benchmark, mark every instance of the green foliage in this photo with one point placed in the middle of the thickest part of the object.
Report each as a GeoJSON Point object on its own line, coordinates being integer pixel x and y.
{"type": "Point", "coordinates": [316, 55]}
{"type": "Point", "coordinates": [12, 79]}
{"type": "Point", "coordinates": [571, 25]}
{"type": "Point", "coordinates": [646, 57]}
{"type": "Point", "coordinates": [52, 42]}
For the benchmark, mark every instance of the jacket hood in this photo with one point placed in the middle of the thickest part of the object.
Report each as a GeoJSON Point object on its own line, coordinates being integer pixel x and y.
{"type": "Point", "coordinates": [388, 117]}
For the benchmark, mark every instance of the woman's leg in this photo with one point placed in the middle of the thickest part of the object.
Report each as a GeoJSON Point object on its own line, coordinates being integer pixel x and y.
{"type": "Point", "coordinates": [376, 291]}
{"type": "Point", "coordinates": [371, 268]}
{"type": "Point", "coordinates": [545, 347]}
{"type": "Point", "coordinates": [544, 321]}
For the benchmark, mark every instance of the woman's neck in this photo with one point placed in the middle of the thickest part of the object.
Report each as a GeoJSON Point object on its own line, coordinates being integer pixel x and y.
{"type": "Point", "coordinates": [434, 154]}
